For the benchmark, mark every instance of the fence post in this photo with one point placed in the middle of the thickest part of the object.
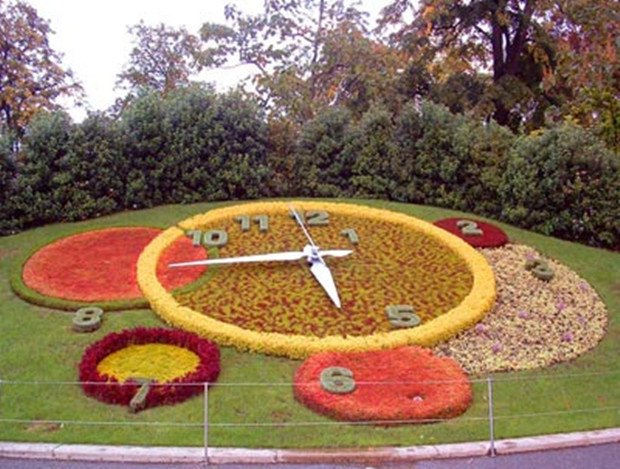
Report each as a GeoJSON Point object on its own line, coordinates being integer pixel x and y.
{"type": "Point", "coordinates": [206, 422]}
{"type": "Point", "coordinates": [491, 422]}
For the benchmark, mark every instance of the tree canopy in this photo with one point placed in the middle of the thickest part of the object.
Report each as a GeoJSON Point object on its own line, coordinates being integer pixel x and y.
{"type": "Point", "coordinates": [533, 49]}
{"type": "Point", "coordinates": [31, 77]}
{"type": "Point", "coordinates": [163, 58]}
{"type": "Point", "coordinates": [307, 54]}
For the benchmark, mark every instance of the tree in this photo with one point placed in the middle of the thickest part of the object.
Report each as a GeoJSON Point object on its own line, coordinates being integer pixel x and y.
{"type": "Point", "coordinates": [516, 40]}
{"type": "Point", "coordinates": [30, 75]}
{"type": "Point", "coordinates": [162, 59]}
{"type": "Point", "coordinates": [307, 54]}
{"type": "Point", "coordinates": [587, 69]}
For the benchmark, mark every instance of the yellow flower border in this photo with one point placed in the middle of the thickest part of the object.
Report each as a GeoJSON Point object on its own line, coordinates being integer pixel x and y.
{"type": "Point", "coordinates": [471, 310]}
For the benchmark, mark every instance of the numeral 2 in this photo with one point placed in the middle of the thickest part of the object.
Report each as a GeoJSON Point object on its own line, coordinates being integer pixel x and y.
{"type": "Point", "coordinates": [469, 228]}
{"type": "Point", "coordinates": [314, 217]}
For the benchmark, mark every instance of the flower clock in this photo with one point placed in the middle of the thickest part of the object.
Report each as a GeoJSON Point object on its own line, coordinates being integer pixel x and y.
{"type": "Point", "coordinates": [175, 363]}
{"type": "Point", "coordinates": [294, 279]}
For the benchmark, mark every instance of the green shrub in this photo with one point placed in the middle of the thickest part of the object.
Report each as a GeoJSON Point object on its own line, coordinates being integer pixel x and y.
{"type": "Point", "coordinates": [42, 185]}
{"type": "Point", "coordinates": [8, 175]}
{"type": "Point", "coordinates": [323, 167]}
{"type": "Point", "coordinates": [563, 183]}
{"type": "Point", "coordinates": [372, 150]}
{"type": "Point", "coordinates": [193, 145]}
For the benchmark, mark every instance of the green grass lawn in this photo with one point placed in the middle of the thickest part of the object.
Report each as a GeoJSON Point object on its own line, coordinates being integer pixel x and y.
{"type": "Point", "coordinates": [252, 405]}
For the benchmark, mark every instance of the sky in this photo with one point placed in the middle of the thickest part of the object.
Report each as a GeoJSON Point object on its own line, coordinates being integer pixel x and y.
{"type": "Point", "coordinates": [93, 39]}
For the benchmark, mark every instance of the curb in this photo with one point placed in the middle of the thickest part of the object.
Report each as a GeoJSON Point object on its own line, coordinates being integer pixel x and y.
{"type": "Point", "coordinates": [172, 455]}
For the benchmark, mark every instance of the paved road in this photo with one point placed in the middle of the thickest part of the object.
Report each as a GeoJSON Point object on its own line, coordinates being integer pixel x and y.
{"type": "Point", "coordinates": [606, 456]}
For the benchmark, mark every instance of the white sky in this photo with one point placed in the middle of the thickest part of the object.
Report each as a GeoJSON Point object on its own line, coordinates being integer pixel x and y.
{"type": "Point", "coordinates": [93, 37]}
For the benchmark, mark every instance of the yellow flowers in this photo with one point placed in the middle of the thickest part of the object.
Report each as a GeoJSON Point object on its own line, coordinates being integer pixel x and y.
{"type": "Point", "coordinates": [161, 362]}
{"type": "Point", "coordinates": [469, 311]}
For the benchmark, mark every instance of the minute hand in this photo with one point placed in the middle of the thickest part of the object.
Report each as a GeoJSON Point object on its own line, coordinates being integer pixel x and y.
{"type": "Point", "coordinates": [270, 257]}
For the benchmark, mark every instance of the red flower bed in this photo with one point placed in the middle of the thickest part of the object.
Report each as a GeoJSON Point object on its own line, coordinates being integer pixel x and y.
{"type": "Point", "coordinates": [403, 385]}
{"type": "Point", "coordinates": [484, 235]}
{"type": "Point", "coordinates": [101, 265]}
{"type": "Point", "coordinates": [108, 389]}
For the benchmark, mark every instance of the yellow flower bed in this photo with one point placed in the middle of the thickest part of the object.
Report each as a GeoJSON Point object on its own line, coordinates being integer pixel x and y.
{"type": "Point", "coordinates": [161, 362]}
{"type": "Point", "coordinates": [470, 310]}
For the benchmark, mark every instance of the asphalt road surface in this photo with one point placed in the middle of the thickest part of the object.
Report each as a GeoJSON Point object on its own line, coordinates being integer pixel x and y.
{"type": "Point", "coordinates": [605, 456]}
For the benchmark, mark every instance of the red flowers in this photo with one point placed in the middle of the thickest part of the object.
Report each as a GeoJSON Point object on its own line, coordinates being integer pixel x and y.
{"type": "Point", "coordinates": [477, 233]}
{"type": "Point", "coordinates": [403, 385]}
{"type": "Point", "coordinates": [101, 265]}
{"type": "Point", "coordinates": [109, 390]}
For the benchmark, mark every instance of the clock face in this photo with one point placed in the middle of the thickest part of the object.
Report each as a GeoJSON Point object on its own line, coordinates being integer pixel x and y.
{"type": "Point", "coordinates": [401, 275]}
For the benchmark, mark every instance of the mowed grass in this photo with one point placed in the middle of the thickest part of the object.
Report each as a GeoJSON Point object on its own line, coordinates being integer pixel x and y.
{"type": "Point", "coordinates": [252, 405]}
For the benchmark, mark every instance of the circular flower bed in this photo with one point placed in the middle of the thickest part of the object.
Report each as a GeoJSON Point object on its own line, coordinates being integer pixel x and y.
{"type": "Point", "coordinates": [111, 370]}
{"type": "Point", "coordinates": [470, 306]}
{"type": "Point", "coordinates": [402, 385]}
{"type": "Point", "coordinates": [534, 323]}
{"type": "Point", "coordinates": [101, 265]}
{"type": "Point", "coordinates": [478, 233]}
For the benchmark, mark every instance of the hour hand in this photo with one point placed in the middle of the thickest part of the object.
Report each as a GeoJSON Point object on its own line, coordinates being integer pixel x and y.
{"type": "Point", "coordinates": [324, 276]}
{"type": "Point", "coordinates": [275, 256]}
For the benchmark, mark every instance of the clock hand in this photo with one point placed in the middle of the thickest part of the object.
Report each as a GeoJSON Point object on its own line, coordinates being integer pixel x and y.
{"type": "Point", "coordinates": [324, 276]}
{"type": "Point", "coordinates": [276, 256]}
{"type": "Point", "coordinates": [303, 227]}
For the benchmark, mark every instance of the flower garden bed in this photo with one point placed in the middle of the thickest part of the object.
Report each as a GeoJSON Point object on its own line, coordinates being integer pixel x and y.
{"type": "Point", "coordinates": [178, 363]}
{"type": "Point", "coordinates": [534, 323]}
{"type": "Point", "coordinates": [478, 233]}
{"type": "Point", "coordinates": [402, 385]}
{"type": "Point", "coordinates": [100, 265]}
{"type": "Point", "coordinates": [460, 291]}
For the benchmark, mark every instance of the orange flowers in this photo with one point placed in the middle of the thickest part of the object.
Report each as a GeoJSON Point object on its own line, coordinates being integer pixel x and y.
{"type": "Point", "coordinates": [101, 265]}
{"type": "Point", "coordinates": [402, 385]}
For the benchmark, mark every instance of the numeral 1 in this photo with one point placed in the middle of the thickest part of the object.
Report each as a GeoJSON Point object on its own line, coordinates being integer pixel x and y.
{"type": "Point", "coordinates": [351, 234]}
{"type": "Point", "coordinates": [196, 236]}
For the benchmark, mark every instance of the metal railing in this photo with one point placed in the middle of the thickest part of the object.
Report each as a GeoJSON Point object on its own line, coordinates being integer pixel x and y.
{"type": "Point", "coordinates": [501, 409]}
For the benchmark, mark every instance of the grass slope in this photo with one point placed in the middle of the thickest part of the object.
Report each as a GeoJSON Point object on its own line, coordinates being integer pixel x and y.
{"type": "Point", "coordinates": [40, 352]}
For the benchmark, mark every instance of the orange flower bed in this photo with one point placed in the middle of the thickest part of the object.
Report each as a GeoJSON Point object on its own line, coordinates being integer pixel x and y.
{"type": "Point", "coordinates": [101, 265]}
{"type": "Point", "coordinates": [402, 385]}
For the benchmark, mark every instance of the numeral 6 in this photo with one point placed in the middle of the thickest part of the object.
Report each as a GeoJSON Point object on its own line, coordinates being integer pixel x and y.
{"type": "Point", "coordinates": [337, 380]}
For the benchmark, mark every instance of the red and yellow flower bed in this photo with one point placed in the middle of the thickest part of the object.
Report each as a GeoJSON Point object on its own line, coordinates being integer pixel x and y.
{"type": "Point", "coordinates": [110, 373]}
{"type": "Point", "coordinates": [393, 265]}
{"type": "Point", "coordinates": [478, 233]}
{"type": "Point", "coordinates": [100, 265]}
{"type": "Point", "coordinates": [402, 385]}
{"type": "Point", "coordinates": [468, 310]}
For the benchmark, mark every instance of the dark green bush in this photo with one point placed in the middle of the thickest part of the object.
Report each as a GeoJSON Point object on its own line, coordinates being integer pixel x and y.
{"type": "Point", "coordinates": [91, 170]}
{"type": "Point", "coordinates": [448, 160]}
{"type": "Point", "coordinates": [8, 175]}
{"type": "Point", "coordinates": [42, 184]}
{"type": "Point", "coordinates": [323, 167]}
{"type": "Point", "coordinates": [193, 145]}
{"type": "Point", "coordinates": [372, 149]}
{"type": "Point", "coordinates": [563, 183]}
